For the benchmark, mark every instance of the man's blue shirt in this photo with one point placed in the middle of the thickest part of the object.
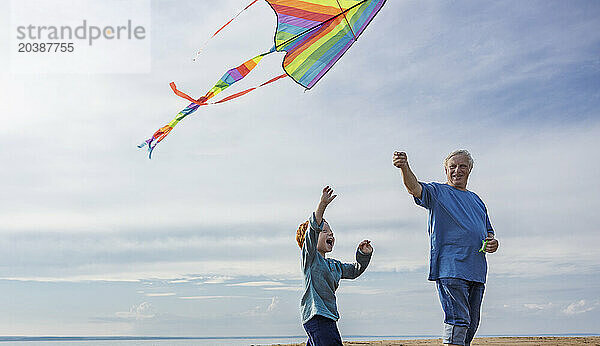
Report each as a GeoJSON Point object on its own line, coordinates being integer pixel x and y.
{"type": "Point", "coordinates": [458, 223]}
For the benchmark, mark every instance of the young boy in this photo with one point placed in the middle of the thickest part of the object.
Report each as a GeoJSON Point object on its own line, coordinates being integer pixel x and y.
{"type": "Point", "coordinates": [322, 275]}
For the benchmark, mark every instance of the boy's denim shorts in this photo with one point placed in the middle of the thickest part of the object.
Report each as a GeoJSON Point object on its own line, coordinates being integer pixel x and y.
{"type": "Point", "coordinates": [322, 331]}
{"type": "Point", "coordinates": [461, 301]}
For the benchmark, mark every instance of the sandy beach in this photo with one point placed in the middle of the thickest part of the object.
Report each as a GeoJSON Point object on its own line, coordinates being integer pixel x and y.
{"type": "Point", "coordinates": [530, 341]}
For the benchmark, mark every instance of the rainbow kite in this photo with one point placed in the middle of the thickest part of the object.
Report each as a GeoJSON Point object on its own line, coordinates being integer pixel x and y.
{"type": "Point", "coordinates": [313, 33]}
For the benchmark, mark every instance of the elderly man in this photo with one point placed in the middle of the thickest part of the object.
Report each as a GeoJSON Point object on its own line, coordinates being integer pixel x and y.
{"type": "Point", "coordinates": [461, 234]}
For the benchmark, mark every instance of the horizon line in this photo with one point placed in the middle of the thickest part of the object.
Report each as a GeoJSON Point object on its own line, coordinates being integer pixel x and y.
{"type": "Point", "coordinates": [131, 337]}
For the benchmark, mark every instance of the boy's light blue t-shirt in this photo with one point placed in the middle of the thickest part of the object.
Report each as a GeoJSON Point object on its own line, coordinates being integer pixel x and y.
{"type": "Point", "coordinates": [458, 223]}
{"type": "Point", "coordinates": [322, 276]}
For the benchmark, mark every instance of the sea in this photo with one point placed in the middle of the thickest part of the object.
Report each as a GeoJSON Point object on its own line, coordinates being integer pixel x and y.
{"type": "Point", "coordinates": [174, 341]}
{"type": "Point", "coordinates": [205, 341]}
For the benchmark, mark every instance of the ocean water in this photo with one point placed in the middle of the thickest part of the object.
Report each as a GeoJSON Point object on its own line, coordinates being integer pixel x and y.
{"type": "Point", "coordinates": [224, 341]}
{"type": "Point", "coordinates": [239, 341]}
{"type": "Point", "coordinates": [132, 341]}
{"type": "Point", "coordinates": [170, 342]}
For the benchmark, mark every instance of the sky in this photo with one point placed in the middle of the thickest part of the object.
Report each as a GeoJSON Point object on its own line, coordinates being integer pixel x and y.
{"type": "Point", "coordinates": [96, 239]}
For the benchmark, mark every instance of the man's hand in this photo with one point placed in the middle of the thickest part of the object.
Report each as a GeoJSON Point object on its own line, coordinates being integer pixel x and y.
{"type": "Point", "coordinates": [491, 244]}
{"type": "Point", "coordinates": [365, 247]}
{"type": "Point", "coordinates": [413, 187]}
{"type": "Point", "coordinates": [400, 160]}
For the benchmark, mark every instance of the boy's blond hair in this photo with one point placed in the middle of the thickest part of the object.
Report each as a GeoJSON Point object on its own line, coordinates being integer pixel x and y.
{"type": "Point", "coordinates": [300, 233]}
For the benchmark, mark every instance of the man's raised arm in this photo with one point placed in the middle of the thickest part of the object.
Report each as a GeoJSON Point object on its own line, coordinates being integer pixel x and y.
{"type": "Point", "coordinates": [409, 178]}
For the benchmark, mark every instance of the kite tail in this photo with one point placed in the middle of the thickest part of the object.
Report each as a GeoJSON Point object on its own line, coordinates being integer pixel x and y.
{"type": "Point", "coordinates": [241, 93]}
{"type": "Point", "coordinates": [230, 77]}
{"type": "Point", "coordinates": [157, 137]}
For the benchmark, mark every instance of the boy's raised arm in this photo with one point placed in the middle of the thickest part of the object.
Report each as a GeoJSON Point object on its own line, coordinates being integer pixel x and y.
{"type": "Point", "coordinates": [410, 180]}
{"type": "Point", "coordinates": [311, 236]}
{"type": "Point", "coordinates": [326, 197]}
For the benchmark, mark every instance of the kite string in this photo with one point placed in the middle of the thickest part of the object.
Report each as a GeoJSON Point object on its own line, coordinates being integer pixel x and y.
{"type": "Point", "coordinates": [221, 28]}
{"type": "Point", "coordinates": [346, 18]}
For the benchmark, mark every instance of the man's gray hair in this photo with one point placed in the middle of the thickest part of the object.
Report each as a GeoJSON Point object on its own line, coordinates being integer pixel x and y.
{"type": "Point", "coordinates": [461, 152]}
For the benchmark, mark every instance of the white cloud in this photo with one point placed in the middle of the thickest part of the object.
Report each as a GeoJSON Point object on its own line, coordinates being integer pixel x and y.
{"type": "Point", "coordinates": [210, 297]}
{"type": "Point", "coordinates": [166, 294]}
{"type": "Point", "coordinates": [218, 279]}
{"type": "Point", "coordinates": [143, 311]}
{"type": "Point", "coordinates": [257, 284]}
{"type": "Point", "coordinates": [284, 288]}
{"type": "Point", "coordinates": [345, 289]}
{"type": "Point", "coordinates": [274, 303]}
{"type": "Point", "coordinates": [261, 310]}
{"type": "Point", "coordinates": [77, 278]}
{"type": "Point", "coordinates": [539, 307]}
{"type": "Point", "coordinates": [579, 307]}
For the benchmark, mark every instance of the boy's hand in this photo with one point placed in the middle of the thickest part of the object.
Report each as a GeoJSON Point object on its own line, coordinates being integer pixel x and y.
{"type": "Point", "coordinates": [365, 247]}
{"type": "Point", "coordinates": [400, 160]}
{"type": "Point", "coordinates": [491, 244]}
{"type": "Point", "coordinates": [327, 196]}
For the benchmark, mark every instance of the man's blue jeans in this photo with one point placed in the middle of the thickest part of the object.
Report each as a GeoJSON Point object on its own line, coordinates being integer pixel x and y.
{"type": "Point", "coordinates": [322, 331]}
{"type": "Point", "coordinates": [461, 301]}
